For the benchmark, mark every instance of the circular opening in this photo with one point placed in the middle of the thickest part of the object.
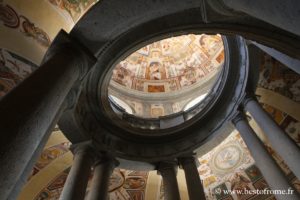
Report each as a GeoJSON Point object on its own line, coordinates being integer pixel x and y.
{"type": "Point", "coordinates": [166, 80]}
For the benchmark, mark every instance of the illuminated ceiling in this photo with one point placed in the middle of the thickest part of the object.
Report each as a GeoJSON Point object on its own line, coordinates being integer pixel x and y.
{"type": "Point", "coordinates": [170, 64]}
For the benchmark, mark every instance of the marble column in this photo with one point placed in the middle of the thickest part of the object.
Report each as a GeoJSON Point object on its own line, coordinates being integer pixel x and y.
{"type": "Point", "coordinates": [76, 183]}
{"type": "Point", "coordinates": [193, 182]}
{"type": "Point", "coordinates": [283, 14]}
{"type": "Point", "coordinates": [168, 171]}
{"type": "Point", "coordinates": [263, 160]}
{"type": "Point", "coordinates": [280, 141]}
{"type": "Point", "coordinates": [102, 172]}
{"type": "Point", "coordinates": [30, 111]}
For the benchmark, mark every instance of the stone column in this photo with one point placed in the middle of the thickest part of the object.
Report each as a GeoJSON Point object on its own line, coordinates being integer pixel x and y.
{"type": "Point", "coordinates": [283, 14]}
{"type": "Point", "coordinates": [168, 171]}
{"type": "Point", "coordinates": [288, 61]}
{"type": "Point", "coordinates": [279, 140]}
{"type": "Point", "coordinates": [30, 111]}
{"type": "Point", "coordinates": [102, 172]}
{"type": "Point", "coordinates": [268, 167]}
{"type": "Point", "coordinates": [76, 183]}
{"type": "Point", "coordinates": [193, 182]}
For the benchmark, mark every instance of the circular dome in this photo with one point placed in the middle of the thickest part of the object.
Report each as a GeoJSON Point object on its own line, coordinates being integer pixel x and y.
{"type": "Point", "coordinates": [167, 76]}
{"type": "Point", "coordinates": [150, 139]}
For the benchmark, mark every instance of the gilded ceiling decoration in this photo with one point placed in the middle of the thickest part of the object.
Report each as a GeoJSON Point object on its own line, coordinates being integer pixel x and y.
{"type": "Point", "coordinates": [171, 64]}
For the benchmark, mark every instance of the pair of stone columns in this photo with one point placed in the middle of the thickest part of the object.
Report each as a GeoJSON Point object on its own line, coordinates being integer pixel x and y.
{"type": "Point", "coordinates": [76, 183]}
{"type": "Point", "coordinates": [280, 142]}
{"type": "Point", "coordinates": [168, 171]}
{"type": "Point", "coordinates": [30, 111]}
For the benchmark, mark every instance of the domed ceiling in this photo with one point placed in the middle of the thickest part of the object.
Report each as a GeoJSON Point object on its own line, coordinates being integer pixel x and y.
{"type": "Point", "coordinates": [21, 52]}
{"type": "Point", "coordinates": [170, 64]}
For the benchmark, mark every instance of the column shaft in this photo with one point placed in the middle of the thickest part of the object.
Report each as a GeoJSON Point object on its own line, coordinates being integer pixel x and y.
{"type": "Point", "coordinates": [268, 167]}
{"type": "Point", "coordinates": [76, 183]}
{"type": "Point", "coordinates": [29, 112]}
{"type": "Point", "coordinates": [193, 182]}
{"type": "Point", "coordinates": [100, 182]}
{"type": "Point", "coordinates": [168, 173]}
{"type": "Point", "coordinates": [24, 177]}
{"type": "Point", "coordinates": [288, 61]}
{"type": "Point", "coordinates": [279, 140]}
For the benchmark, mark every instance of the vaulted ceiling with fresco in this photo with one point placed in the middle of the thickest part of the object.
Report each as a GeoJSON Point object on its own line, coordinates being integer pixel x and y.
{"type": "Point", "coordinates": [171, 64]}
{"type": "Point", "coordinates": [167, 70]}
{"type": "Point", "coordinates": [160, 68]}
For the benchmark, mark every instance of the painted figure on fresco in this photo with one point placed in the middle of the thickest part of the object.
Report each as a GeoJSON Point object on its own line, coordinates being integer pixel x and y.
{"type": "Point", "coordinates": [51, 153]}
{"type": "Point", "coordinates": [188, 78]}
{"type": "Point", "coordinates": [9, 16]}
{"type": "Point", "coordinates": [166, 47]}
{"type": "Point", "coordinates": [54, 189]}
{"type": "Point", "coordinates": [169, 64]}
{"type": "Point", "coordinates": [12, 71]}
{"type": "Point", "coordinates": [134, 183]}
{"type": "Point", "coordinates": [75, 8]}
{"type": "Point", "coordinates": [16, 66]}
{"type": "Point", "coordinates": [228, 158]}
{"type": "Point", "coordinates": [122, 75]}
{"type": "Point", "coordinates": [210, 43]}
{"type": "Point", "coordinates": [144, 50]}
{"type": "Point", "coordinates": [155, 71]}
{"type": "Point", "coordinates": [31, 30]}
{"type": "Point", "coordinates": [11, 19]}
{"type": "Point", "coordinates": [116, 180]}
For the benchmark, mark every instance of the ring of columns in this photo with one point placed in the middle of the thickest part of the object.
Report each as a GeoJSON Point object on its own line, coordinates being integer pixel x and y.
{"type": "Point", "coordinates": [113, 134]}
{"type": "Point", "coordinates": [97, 143]}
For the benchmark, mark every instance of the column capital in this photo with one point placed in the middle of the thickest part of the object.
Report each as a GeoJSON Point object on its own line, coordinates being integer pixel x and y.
{"type": "Point", "coordinates": [102, 159]}
{"type": "Point", "coordinates": [249, 97]}
{"type": "Point", "coordinates": [168, 170]}
{"type": "Point", "coordinates": [167, 165]}
{"type": "Point", "coordinates": [192, 177]}
{"type": "Point", "coordinates": [63, 42]}
{"type": "Point", "coordinates": [239, 116]}
{"type": "Point", "coordinates": [83, 148]}
{"type": "Point", "coordinates": [188, 160]}
{"type": "Point", "coordinates": [103, 168]}
{"type": "Point", "coordinates": [77, 180]}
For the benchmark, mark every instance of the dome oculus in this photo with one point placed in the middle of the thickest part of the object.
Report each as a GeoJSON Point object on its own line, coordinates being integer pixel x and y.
{"type": "Point", "coordinates": [163, 77]}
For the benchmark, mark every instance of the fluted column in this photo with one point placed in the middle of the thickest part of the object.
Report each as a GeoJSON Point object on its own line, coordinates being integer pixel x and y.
{"type": "Point", "coordinates": [193, 182]}
{"type": "Point", "coordinates": [30, 111]}
{"type": "Point", "coordinates": [168, 171]}
{"type": "Point", "coordinates": [268, 167]}
{"type": "Point", "coordinates": [76, 183]}
{"type": "Point", "coordinates": [102, 172]}
{"type": "Point", "coordinates": [279, 140]}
